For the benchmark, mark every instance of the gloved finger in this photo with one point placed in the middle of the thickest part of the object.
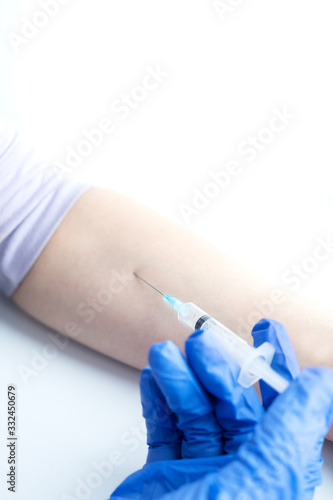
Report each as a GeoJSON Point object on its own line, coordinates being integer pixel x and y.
{"type": "Point", "coordinates": [238, 409]}
{"type": "Point", "coordinates": [164, 439]}
{"type": "Point", "coordinates": [168, 477]}
{"type": "Point", "coordinates": [284, 361]}
{"type": "Point", "coordinates": [188, 400]}
{"type": "Point", "coordinates": [284, 442]}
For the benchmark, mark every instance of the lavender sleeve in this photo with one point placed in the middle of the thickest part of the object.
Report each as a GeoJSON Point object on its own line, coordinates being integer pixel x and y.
{"type": "Point", "coordinates": [34, 199]}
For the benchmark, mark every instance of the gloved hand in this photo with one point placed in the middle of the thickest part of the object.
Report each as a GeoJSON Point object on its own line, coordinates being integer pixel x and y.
{"type": "Point", "coordinates": [209, 438]}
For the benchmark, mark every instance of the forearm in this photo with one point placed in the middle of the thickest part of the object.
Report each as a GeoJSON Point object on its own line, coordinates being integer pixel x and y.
{"type": "Point", "coordinates": [73, 283]}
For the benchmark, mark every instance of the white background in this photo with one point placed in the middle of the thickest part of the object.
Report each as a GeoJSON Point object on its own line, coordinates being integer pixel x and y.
{"type": "Point", "coordinates": [225, 77]}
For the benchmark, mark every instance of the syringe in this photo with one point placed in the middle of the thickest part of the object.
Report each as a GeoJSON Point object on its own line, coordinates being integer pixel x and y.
{"type": "Point", "coordinates": [254, 362]}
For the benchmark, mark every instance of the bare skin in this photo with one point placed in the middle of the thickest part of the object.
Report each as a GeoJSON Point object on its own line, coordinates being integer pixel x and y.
{"type": "Point", "coordinates": [83, 284]}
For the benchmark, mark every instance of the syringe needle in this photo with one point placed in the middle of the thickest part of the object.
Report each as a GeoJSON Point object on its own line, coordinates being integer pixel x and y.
{"type": "Point", "coordinates": [148, 283]}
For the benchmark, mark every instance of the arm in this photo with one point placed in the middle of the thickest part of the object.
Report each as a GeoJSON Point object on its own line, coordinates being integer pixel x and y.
{"type": "Point", "coordinates": [106, 233]}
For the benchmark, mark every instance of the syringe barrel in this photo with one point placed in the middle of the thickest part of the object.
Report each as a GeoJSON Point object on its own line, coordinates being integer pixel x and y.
{"type": "Point", "coordinates": [195, 318]}
{"type": "Point", "coordinates": [190, 315]}
{"type": "Point", "coordinates": [254, 363]}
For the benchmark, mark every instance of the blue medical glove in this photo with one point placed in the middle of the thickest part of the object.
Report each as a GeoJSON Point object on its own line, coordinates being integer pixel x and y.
{"type": "Point", "coordinates": [196, 409]}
